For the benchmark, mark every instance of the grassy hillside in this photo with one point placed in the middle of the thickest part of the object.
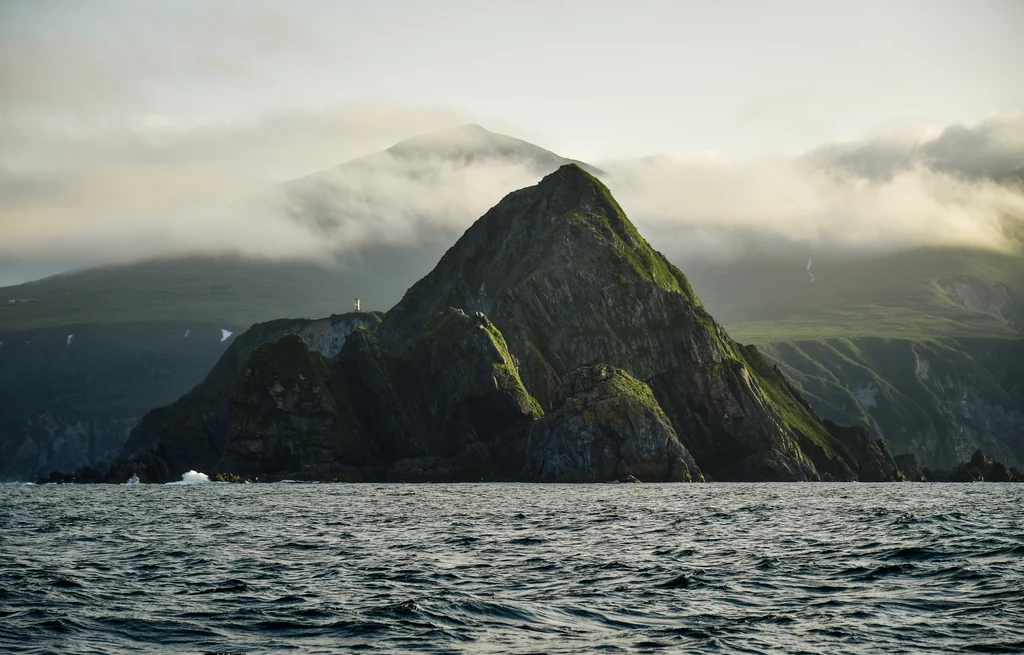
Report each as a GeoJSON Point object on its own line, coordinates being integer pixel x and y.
{"type": "Point", "coordinates": [941, 399]}
{"type": "Point", "coordinates": [228, 291]}
{"type": "Point", "coordinates": [231, 291]}
{"type": "Point", "coordinates": [924, 348]}
{"type": "Point", "coordinates": [922, 294]}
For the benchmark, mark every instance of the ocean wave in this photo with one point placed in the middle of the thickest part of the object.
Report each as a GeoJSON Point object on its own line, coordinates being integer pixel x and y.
{"type": "Point", "coordinates": [511, 568]}
{"type": "Point", "coordinates": [192, 477]}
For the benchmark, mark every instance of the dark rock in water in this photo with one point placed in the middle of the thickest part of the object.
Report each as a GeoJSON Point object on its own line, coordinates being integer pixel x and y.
{"type": "Point", "coordinates": [233, 478]}
{"type": "Point", "coordinates": [871, 457]}
{"type": "Point", "coordinates": [907, 464]}
{"type": "Point", "coordinates": [980, 461]}
{"type": "Point", "coordinates": [983, 468]}
{"type": "Point", "coordinates": [83, 475]}
{"type": "Point", "coordinates": [999, 473]}
{"type": "Point", "coordinates": [551, 342]}
{"type": "Point", "coordinates": [980, 468]}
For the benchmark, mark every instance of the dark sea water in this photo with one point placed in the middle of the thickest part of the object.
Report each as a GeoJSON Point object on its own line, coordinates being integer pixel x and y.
{"type": "Point", "coordinates": [744, 568]}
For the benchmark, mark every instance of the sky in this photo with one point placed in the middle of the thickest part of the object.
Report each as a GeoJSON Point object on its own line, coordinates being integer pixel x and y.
{"type": "Point", "coordinates": [116, 114]}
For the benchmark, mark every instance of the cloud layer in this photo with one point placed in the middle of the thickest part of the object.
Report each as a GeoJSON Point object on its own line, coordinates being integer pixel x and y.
{"type": "Point", "coordinates": [122, 193]}
{"type": "Point", "coordinates": [158, 188]}
{"type": "Point", "coordinates": [957, 186]}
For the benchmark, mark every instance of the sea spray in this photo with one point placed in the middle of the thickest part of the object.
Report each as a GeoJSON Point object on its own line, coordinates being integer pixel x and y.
{"type": "Point", "coordinates": [192, 477]}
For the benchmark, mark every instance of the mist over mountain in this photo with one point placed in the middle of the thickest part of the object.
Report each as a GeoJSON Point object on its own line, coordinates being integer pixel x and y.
{"type": "Point", "coordinates": [992, 149]}
{"type": "Point", "coordinates": [421, 189]}
{"type": "Point", "coordinates": [881, 193]}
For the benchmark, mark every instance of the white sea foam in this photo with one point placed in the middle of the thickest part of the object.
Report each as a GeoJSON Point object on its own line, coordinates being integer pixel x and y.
{"type": "Point", "coordinates": [70, 337]}
{"type": "Point", "coordinates": [224, 334]}
{"type": "Point", "coordinates": [187, 330]}
{"type": "Point", "coordinates": [192, 477]}
{"type": "Point", "coordinates": [133, 480]}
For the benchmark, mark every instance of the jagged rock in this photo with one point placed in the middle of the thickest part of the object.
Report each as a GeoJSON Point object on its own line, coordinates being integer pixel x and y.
{"type": "Point", "coordinates": [871, 457]}
{"type": "Point", "coordinates": [551, 342]}
{"type": "Point", "coordinates": [281, 412]}
{"type": "Point", "coordinates": [609, 427]}
{"type": "Point", "coordinates": [456, 386]}
{"type": "Point", "coordinates": [980, 468]}
{"type": "Point", "coordinates": [570, 282]}
{"type": "Point", "coordinates": [908, 466]}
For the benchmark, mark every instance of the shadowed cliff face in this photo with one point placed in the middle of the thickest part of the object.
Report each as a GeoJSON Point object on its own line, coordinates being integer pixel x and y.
{"type": "Point", "coordinates": [612, 422]}
{"type": "Point", "coordinates": [569, 281]}
{"type": "Point", "coordinates": [550, 343]}
{"type": "Point", "coordinates": [941, 399]}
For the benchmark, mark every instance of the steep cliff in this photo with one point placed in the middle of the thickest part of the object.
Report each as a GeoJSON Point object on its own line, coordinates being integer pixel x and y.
{"type": "Point", "coordinates": [550, 342]}
{"type": "Point", "coordinates": [194, 431]}
{"type": "Point", "coordinates": [924, 347]}
{"type": "Point", "coordinates": [941, 399]}
{"type": "Point", "coordinates": [570, 282]}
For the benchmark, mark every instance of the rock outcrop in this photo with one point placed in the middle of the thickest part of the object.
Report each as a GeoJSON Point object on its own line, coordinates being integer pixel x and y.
{"type": "Point", "coordinates": [908, 466]}
{"type": "Point", "coordinates": [551, 342]}
{"type": "Point", "coordinates": [980, 468]}
{"type": "Point", "coordinates": [609, 426]}
{"type": "Point", "coordinates": [268, 398]}
{"type": "Point", "coordinates": [871, 457]}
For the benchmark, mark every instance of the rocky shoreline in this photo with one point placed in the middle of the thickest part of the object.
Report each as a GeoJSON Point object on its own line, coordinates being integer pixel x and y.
{"type": "Point", "coordinates": [980, 468]}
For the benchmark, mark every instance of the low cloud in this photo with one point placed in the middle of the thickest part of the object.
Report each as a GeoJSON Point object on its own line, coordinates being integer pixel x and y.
{"type": "Point", "coordinates": [859, 197]}
{"type": "Point", "coordinates": [993, 149]}
{"type": "Point", "coordinates": [107, 194]}
{"type": "Point", "coordinates": [77, 197]}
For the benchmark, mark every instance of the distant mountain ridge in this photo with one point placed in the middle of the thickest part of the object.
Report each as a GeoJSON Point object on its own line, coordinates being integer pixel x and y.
{"type": "Point", "coordinates": [361, 190]}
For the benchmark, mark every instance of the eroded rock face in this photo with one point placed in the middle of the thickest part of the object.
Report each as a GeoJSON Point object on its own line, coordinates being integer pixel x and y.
{"type": "Point", "coordinates": [939, 399]}
{"type": "Point", "coordinates": [455, 388]}
{"type": "Point", "coordinates": [568, 280]}
{"type": "Point", "coordinates": [609, 427]}
{"type": "Point", "coordinates": [550, 343]}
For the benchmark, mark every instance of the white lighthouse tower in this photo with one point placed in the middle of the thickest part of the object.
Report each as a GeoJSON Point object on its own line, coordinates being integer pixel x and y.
{"type": "Point", "coordinates": [356, 304]}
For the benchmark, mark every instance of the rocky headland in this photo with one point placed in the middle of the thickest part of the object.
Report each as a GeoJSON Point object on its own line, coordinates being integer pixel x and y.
{"type": "Point", "coordinates": [550, 343]}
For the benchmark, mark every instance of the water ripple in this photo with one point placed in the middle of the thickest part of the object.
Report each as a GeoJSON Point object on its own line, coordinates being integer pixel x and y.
{"type": "Point", "coordinates": [736, 568]}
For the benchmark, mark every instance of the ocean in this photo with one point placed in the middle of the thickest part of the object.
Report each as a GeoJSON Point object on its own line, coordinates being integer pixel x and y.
{"type": "Point", "coordinates": [512, 568]}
